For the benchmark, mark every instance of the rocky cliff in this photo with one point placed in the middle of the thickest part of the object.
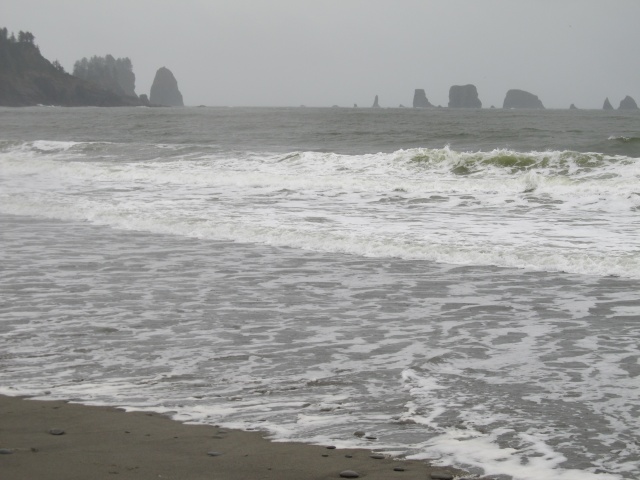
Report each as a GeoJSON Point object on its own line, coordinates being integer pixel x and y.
{"type": "Point", "coordinates": [464, 96]}
{"type": "Point", "coordinates": [420, 99]}
{"type": "Point", "coordinates": [375, 103]}
{"type": "Point", "coordinates": [607, 104]}
{"type": "Point", "coordinates": [164, 90]}
{"type": "Point", "coordinates": [628, 103]}
{"type": "Point", "coordinates": [27, 78]}
{"type": "Point", "coordinates": [521, 99]}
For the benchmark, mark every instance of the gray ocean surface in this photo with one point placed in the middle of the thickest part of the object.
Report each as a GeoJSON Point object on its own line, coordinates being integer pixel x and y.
{"type": "Point", "coordinates": [462, 285]}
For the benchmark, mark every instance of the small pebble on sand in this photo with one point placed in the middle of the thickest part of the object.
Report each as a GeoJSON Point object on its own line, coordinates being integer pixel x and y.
{"type": "Point", "coordinates": [349, 474]}
{"type": "Point", "coordinates": [56, 431]}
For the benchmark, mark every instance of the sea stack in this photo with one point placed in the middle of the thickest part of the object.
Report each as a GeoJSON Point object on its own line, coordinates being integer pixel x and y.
{"type": "Point", "coordinates": [164, 90]}
{"type": "Point", "coordinates": [607, 104]}
{"type": "Point", "coordinates": [464, 96]}
{"type": "Point", "coordinates": [628, 103]}
{"type": "Point", "coordinates": [420, 99]}
{"type": "Point", "coordinates": [521, 99]}
{"type": "Point", "coordinates": [573, 107]}
{"type": "Point", "coordinates": [375, 103]}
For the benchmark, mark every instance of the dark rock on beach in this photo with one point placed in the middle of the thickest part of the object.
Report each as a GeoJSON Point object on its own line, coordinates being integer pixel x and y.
{"type": "Point", "coordinates": [628, 103]}
{"type": "Point", "coordinates": [164, 90]}
{"type": "Point", "coordinates": [464, 96]}
{"type": "Point", "coordinates": [521, 99]}
{"type": "Point", "coordinates": [420, 99]}
{"type": "Point", "coordinates": [607, 104]}
{"type": "Point", "coordinates": [349, 474]}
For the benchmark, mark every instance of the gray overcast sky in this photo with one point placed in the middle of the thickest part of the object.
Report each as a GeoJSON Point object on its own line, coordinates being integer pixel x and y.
{"type": "Point", "coordinates": [326, 52]}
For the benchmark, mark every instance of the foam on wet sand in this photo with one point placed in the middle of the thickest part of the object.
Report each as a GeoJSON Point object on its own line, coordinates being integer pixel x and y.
{"type": "Point", "coordinates": [102, 442]}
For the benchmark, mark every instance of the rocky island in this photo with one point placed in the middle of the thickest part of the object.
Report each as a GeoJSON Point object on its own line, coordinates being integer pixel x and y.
{"type": "Point", "coordinates": [607, 104]}
{"type": "Point", "coordinates": [164, 90]}
{"type": "Point", "coordinates": [464, 96]}
{"type": "Point", "coordinates": [27, 79]}
{"type": "Point", "coordinates": [521, 99]}
{"type": "Point", "coordinates": [420, 99]}
{"type": "Point", "coordinates": [628, 103]}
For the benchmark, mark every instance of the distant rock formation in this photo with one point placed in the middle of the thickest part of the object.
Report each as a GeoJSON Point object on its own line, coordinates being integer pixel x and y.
{"type": "Point", "coordinates": [375, 103]}
{"type": "Point", "coordinates": [420, 99]}
{"type": "Point", "coordinates": [521, 99]}
{"type": "Point", "coordinates": [464, 96]}
{"type": "Point", "coordinates": [110, 73]}
{"type": "Point", "coordinates": [573, 107]}
{"type": "Point", "coordinates": [164, 90]}
{"type": "Point", "coordinates": [607, 104]}
{"type": "Point", "coordinates": [27, 78]}
{"type": "Point", "coordinates": [628, 103]}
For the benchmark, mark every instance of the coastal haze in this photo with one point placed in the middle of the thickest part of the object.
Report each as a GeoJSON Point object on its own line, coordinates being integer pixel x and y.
{"type": "Point", "coordinates": [457, 286]}
{"type": "Point", "coordinates": [290, 53]}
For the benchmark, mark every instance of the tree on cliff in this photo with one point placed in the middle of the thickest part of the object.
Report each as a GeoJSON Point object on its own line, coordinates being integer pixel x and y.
{"type": "Point", "coordinates": [114, 74]}
{"type": "Point", "coordinates": [25, 37]}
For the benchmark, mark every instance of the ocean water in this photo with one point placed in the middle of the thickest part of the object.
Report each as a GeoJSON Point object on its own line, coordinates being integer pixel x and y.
{"type": "Point", "coordinates": [461, 285]}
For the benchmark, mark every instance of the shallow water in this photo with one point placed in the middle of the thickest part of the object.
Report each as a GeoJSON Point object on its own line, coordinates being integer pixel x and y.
{"type": "Point", "coordinates": [457, 305]}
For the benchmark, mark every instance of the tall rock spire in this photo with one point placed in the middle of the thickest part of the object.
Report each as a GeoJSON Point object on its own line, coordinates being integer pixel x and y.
{"type": "Point", "coordinates": [164, 90]}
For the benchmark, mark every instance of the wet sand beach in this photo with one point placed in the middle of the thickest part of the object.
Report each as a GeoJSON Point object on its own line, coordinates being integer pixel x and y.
{"type": "Point", "coordinates": [59, 440]}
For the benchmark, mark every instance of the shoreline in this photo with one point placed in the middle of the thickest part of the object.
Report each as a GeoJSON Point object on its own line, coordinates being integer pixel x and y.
{"type": "Point", "coordinates": [107, 442]}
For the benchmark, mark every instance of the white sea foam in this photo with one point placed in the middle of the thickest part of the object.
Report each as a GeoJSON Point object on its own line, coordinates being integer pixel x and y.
{"type": "Point", "coordinates": [558, 216]}
{"type": "Point", "coordinates": [491, 369]}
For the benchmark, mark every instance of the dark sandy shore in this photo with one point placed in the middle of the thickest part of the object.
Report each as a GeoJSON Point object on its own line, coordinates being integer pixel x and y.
{"type": "Point", "coordinates": [107, 443]}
